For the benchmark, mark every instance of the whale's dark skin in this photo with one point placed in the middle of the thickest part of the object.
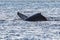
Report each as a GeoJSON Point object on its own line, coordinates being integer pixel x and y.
{"type": "Point", "coordinates": [36, 17]}
{"type": "Point", "coordinates": [22, 16]}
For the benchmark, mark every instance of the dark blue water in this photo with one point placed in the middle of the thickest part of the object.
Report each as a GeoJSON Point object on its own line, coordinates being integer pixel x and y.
{"type": "Point", "coordinates": [29, 4]}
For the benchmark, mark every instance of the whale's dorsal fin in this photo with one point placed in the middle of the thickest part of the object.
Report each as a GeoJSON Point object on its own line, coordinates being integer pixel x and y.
{"type": "Point", "coordinates": [37, 17]}
{"type": "Point", "coordinates": [22, 16]}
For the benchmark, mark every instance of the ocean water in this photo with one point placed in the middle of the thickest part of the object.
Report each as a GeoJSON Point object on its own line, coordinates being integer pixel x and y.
{"type": "Point", "coordinates": [9, 9]}
{"type": "Point", "coordinates": [13, 28]}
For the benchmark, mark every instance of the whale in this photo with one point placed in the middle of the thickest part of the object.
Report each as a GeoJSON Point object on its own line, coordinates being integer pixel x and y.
{"type": "Point", "coordinates": [35, 17]}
